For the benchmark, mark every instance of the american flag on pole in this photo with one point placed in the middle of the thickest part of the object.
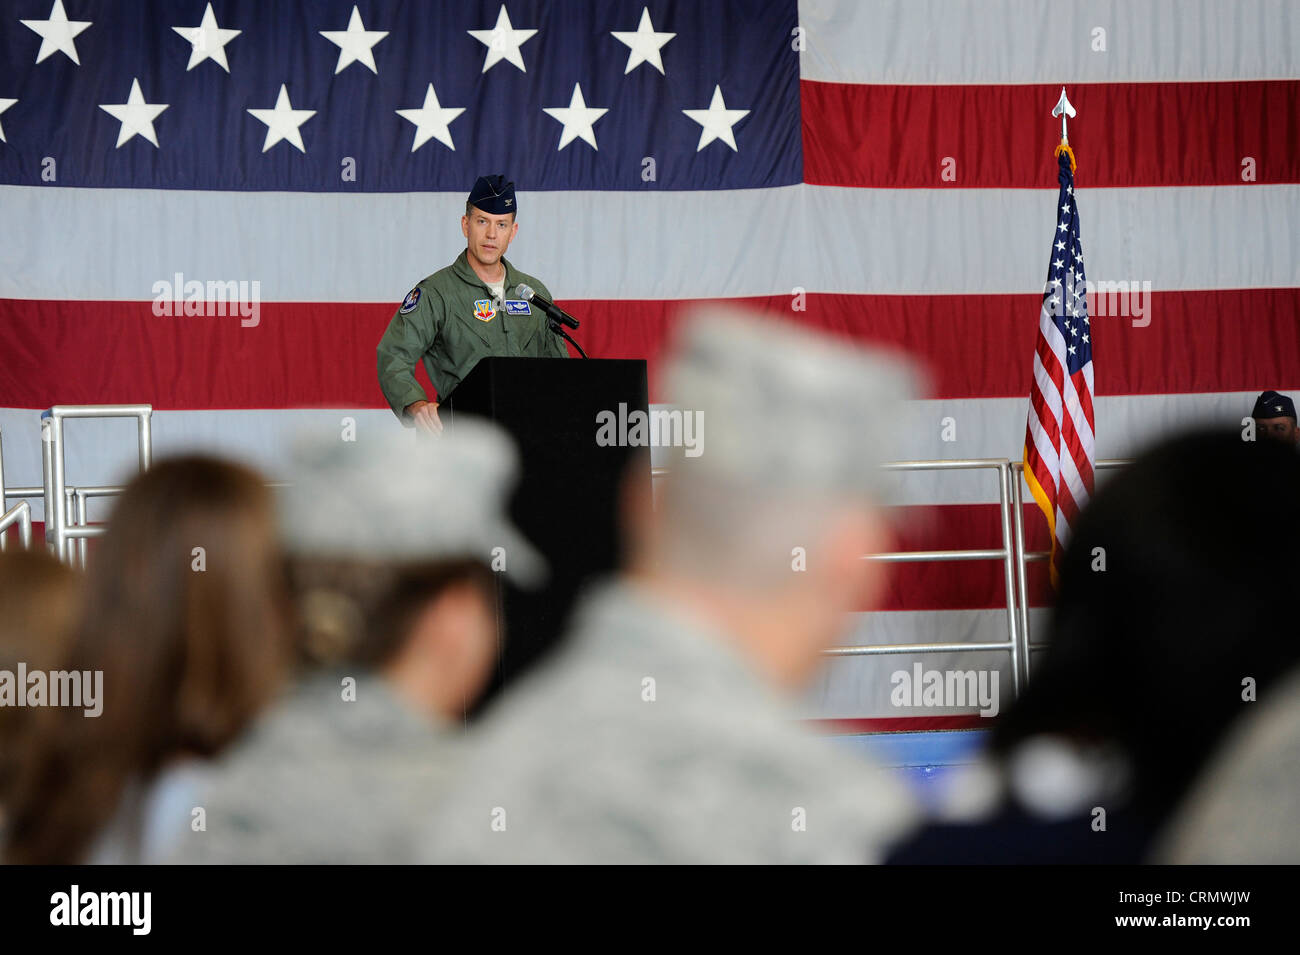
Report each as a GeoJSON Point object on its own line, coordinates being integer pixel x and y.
{"type": "Point", "coordinates": [1059, 445]}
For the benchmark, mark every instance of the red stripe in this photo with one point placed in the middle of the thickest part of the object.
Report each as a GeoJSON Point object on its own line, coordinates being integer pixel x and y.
{"type": "Point", "coordinates": [1051, 361]}
{"type": "Point", "coordinates": [1083, 465]}
{"type": "Point", "coordinates": [1046, 418]}
{"type": "Point", "coordinates": [1038, 467]}
{"type": "Point", "coordinates": [967, 585]}
{"type": "Point", "coordinates": [1085, 398]}
{"type": "Point", "coordinates": [1073, 446]}
{"type": "Point", "coordinates": [1068, 507]}
{"type": "Point", "coordinates": [1074, 439]}
{"type": "Point", "coordinates": [1126, 134]}
{"type": "Point", "coordinates": [977, 346]}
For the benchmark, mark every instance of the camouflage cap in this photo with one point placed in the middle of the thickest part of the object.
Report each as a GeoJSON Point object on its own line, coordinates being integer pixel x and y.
{"type": "Point", "coordinates": [387, 497]}
{"type": "Point", "coordinates": [787, 409]}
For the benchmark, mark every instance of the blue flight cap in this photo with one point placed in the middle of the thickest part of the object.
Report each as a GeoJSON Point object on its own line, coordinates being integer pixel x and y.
{"type": "Point", "coordinates": [494, 195]}
{"type": "Point", "coordinates": [1272, 405]}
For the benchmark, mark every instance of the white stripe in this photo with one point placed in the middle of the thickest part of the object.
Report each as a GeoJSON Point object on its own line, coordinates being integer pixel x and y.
{"type": "Point", "coordinates": [860, 687]}
{"type": "Point", "coordinates": [1062, 529]}
{"type": "Point", "coordinates": [1046, 386]}
{"type": "Point", "coordinates": [1071, 479]}
{"type": "Point", "coordinates": [1051, 408]}
{"type": "Point", "coordinates": [313, 247]}
{"type": "Point", "coordinates": [1064, 402]}
{"type": "Point", "coordinates": [1055, 341]}
{"type": "Point", "coordinates": [102, 452]}
{"type": "Point", "coordinates": [1082, 428]}
{"type": "Point", "coordinates": [1051, 404]}
{"type": "Point", "coordinates": [1047, 451]}
{"type": "Point", "coordinates": [1047, 41]}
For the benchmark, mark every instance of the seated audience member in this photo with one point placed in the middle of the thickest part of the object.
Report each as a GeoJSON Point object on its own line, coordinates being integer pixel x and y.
{"type": "Point", "coordinates": [38, 604]}
{"type": "Point", "coordinates": [1246, 809]}
{"type": "Point", "coordinates": [391, 543]}
{"type": "Point", "coordinates": [185, 620]}
{"type": "Point", "coordinates": [1275, 419]}
{"type": "Point", "coordinates": [666, 730]}
{"type": "Point", "coordinates": [1166, 625]}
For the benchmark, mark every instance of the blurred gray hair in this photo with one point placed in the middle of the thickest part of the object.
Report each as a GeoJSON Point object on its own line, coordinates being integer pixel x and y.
{"type": "Point", "coordinates": [796, 425]}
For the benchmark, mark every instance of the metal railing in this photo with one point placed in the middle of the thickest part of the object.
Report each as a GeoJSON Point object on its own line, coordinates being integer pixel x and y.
{"type": "Point", "coordinates": [70, 494]}
{"type": "Point", "coordinates": [60, 531]}
{"type": "Point", "coordinates": [67, 528]}
{"type": "Point", "coordinates": [4, 536]}
{"type": "Point", "coordinates": [1006, 553]}
{"type": "Point", "coordinates": [20, 514]}
{"type": "Point", "coordinates": [1014, 645]}
{"type": "Point", "coordinates": [1023, 556]}
{"type": "Point", "coordinates": [79, 500]}
{"type": "Point", "coordinates": [1012, 552]}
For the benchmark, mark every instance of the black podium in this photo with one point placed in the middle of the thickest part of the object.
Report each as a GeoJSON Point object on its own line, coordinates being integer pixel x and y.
{"type": "Point", "coordinates": [567, 499]}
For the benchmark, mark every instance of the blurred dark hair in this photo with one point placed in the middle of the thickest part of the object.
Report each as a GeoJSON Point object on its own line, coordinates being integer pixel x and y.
{"type": "Point", "coordinates": [1201, 542]}
{"type": "Point", "coordinates": [38, 608]}
{"type": "Point", "coordinates": [189, 652]}
{"type": "Point", "coordinates": [362, 612]}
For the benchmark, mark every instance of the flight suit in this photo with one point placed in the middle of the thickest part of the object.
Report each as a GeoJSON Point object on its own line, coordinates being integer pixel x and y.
{"type": "Point", "coordinates": [450, 320]}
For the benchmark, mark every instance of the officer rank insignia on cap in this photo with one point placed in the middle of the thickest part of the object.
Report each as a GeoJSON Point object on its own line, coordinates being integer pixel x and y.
{"type": "Point", "coordinates": [1270, 404]}
{"type": "Point", "coordinates": [484, 311]}
{"type": "Point", "coordinates": [412, 299]}
{"type": "Point", "coordinates": [494, 195]}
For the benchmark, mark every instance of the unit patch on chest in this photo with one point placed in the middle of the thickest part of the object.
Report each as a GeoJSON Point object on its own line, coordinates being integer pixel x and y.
{"type": "Point", "coordinates": [484, 310]}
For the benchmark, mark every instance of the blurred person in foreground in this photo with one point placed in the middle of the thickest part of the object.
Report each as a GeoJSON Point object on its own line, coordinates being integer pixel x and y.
{"type": "Point", "coordinates": [185, 616]}
{"type": "Point", "coordinates": [1246, 808]}
{"type": "Point", "coordinates": [666, 731]}
{"type": "Point", "coordinates": [392, 544]}
{"type": "Point", "coordinates": [1275, 419]}
{"type": "Point", "coordinates": [38, 605]}
{"type": "Point", "coordinates": [1166, 625]}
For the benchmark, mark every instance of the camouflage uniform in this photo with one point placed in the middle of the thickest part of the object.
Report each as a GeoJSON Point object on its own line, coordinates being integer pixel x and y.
{"type": "Point", "coordinates": [714, 769]}
{"type": "Point", "coordinates": [323, 780]}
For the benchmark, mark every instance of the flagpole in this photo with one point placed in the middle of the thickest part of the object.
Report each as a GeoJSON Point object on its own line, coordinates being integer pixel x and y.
{"type": "Point", "coordinates": [1064, 109]}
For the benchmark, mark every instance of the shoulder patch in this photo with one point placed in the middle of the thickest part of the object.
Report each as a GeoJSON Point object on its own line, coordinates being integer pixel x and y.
{"type": "Point", "coordinates": [412, 299]}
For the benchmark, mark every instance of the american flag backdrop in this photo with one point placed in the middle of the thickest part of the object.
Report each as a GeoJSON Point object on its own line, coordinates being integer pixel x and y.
{"type": "Point", "coordinates": [1060, 447]}
{"type": "Point", "coordinates": [875, 169]}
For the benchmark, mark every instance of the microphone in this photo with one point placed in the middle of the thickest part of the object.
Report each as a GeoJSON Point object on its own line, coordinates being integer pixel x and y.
{"type": "Point", "coordinates": [550, 308]}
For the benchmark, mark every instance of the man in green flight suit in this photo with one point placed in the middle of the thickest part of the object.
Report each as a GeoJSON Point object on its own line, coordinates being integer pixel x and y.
{"type": "Point", "coordinates": [466, 311]}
